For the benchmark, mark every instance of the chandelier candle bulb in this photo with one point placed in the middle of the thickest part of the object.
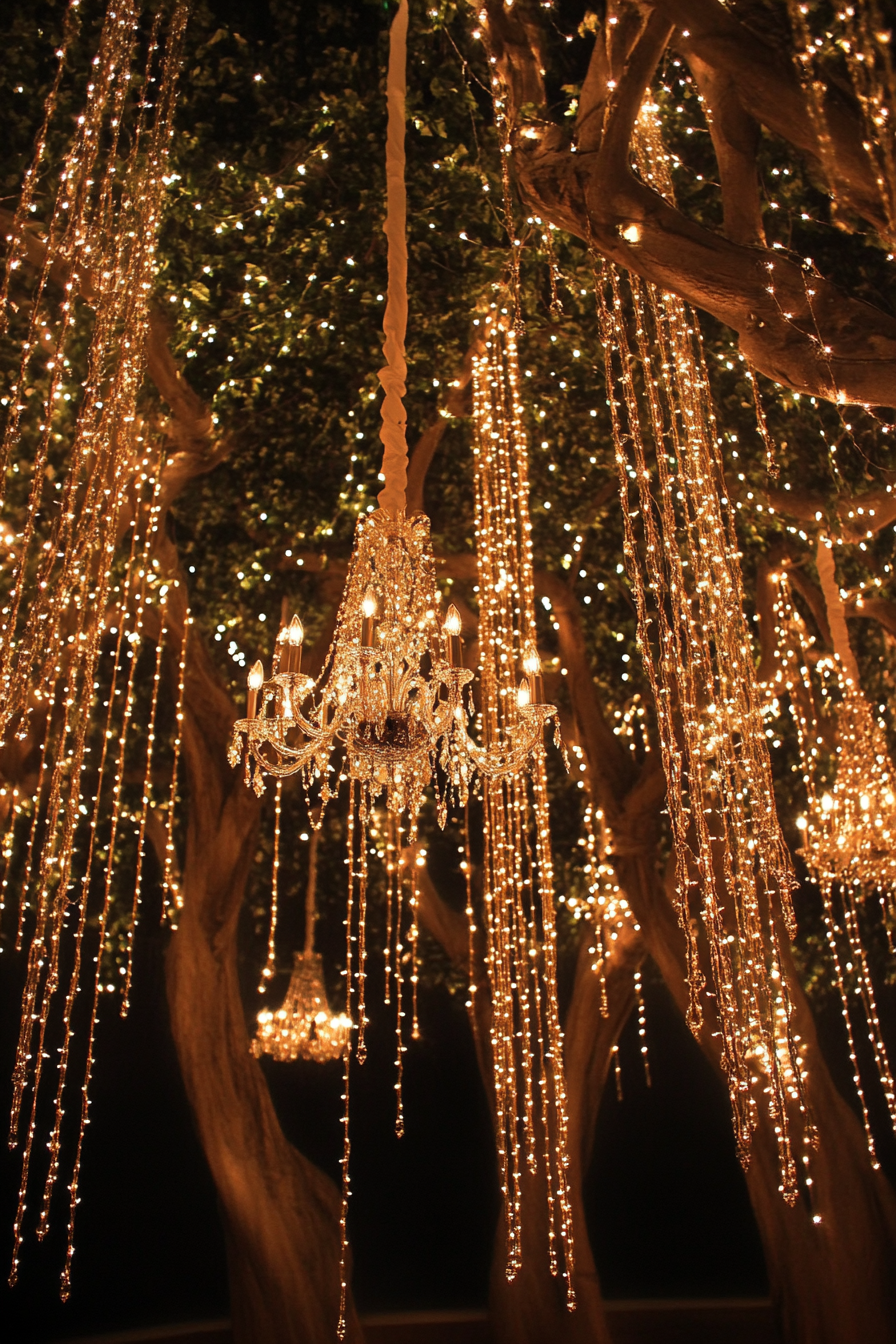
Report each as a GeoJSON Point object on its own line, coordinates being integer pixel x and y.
{"type": "Point", "coordinates": [453, 642]}
{"type": "Point", "coordinates": [255, 681]}
{"type": "Point", "coordinates": [523, 695]}
{"type": "Point", "coordinates": [368, 611]}
{"type": "Point", "coordinates": [532, 669]}
{"type": "Point", "coordinates": [296, 639]}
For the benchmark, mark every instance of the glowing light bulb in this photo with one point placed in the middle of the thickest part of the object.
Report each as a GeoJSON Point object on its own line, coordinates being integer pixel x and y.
{"type": "Point", "coordinates": [451, 630]}
{"type": "Point", "coordinates": [827, 803]}
{"type": "Point", "coordinates": [255, 681]}
{"type": "Point", "coordinates": [296, 631]}
{"type": "Point", "coordinates": [522, 695]}
{"type": "Point", "coordinates": [368, 610]}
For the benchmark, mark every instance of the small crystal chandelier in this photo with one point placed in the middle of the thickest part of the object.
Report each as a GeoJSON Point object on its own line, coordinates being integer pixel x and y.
{"type": "Point", "coordinates": [304, 1027]}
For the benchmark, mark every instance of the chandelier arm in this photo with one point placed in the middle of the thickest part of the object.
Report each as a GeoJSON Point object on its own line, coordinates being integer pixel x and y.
{"type": "Point", "coordinates": [392, 377]}
{"type": "Point", "coordinates": [277, 768]}
{"type": "Point", "coordinates": [301, 756]}
{"type": "Point", "coordinates": [506, 758]}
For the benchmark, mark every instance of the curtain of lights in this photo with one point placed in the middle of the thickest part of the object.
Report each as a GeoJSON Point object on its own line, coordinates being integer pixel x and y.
{"type": "Point", "coordinates": [81, 592]}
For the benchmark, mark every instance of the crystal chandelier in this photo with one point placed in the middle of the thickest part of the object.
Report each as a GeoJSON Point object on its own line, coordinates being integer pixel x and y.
{"type": "Point", "coordinates": [391, 700]}
{"type": "Point", "coordinates": [304, 1026]}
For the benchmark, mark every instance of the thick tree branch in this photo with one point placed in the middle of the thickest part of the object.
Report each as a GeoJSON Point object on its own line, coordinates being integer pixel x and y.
{"type": "Point", "coordinates": [735, 137]}
{"type": "Point", "coordinates": [765, 82]}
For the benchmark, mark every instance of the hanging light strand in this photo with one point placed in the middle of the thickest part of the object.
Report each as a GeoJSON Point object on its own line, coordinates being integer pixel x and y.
{"type": "Point", "coordinates": [732, 865]}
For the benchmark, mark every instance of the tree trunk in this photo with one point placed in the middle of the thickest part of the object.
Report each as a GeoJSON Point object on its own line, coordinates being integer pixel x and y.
{"type": "Point", "coordinates": [281, 1214]}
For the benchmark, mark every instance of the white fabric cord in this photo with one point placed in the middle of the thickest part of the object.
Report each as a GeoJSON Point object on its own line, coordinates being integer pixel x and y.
{"type": "Point", "coordinates": [824, 560]}
{"type": "Point", "coordinates": [395, 321]}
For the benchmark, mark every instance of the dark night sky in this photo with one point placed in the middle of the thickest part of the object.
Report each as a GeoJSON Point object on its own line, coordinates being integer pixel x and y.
{"type": "Point", "coordinates": [668, 1209]}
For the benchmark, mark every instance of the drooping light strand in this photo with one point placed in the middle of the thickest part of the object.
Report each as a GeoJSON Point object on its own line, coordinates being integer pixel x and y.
{"type": "Point", "coordinates": [526, 1039]}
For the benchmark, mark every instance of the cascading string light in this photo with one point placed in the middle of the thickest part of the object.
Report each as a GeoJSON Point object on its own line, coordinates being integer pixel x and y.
{"type": "Point", "coordinates": [108, 248]}
{"type": "Point", "coordinates": [57, 856]}
{"type": "Point", "coordinates": [270, 963]}
{"type": "Point", "coordinates": [608, 912]}
{"type": "Point", "coordinates": [849, 826]}
{"type": "Point", "coordinates": [526, 1038]}
{"type": "Point", "coordinates": [605, 905]}
{"type": "Point", "coordinates": [143, 814]}
{"type": "Point", "coordinates": [731, 860]}
{"type": "Point", "coordinates": [173, 899]}
{"type": "Point", "coordinates": [862, 33]}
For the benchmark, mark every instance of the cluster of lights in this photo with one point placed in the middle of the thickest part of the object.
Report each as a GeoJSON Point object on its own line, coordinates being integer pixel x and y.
{"type": "Point", "coordinates": [849, 827]}
{"type": "Point", "coordinates": [526, 1040]}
